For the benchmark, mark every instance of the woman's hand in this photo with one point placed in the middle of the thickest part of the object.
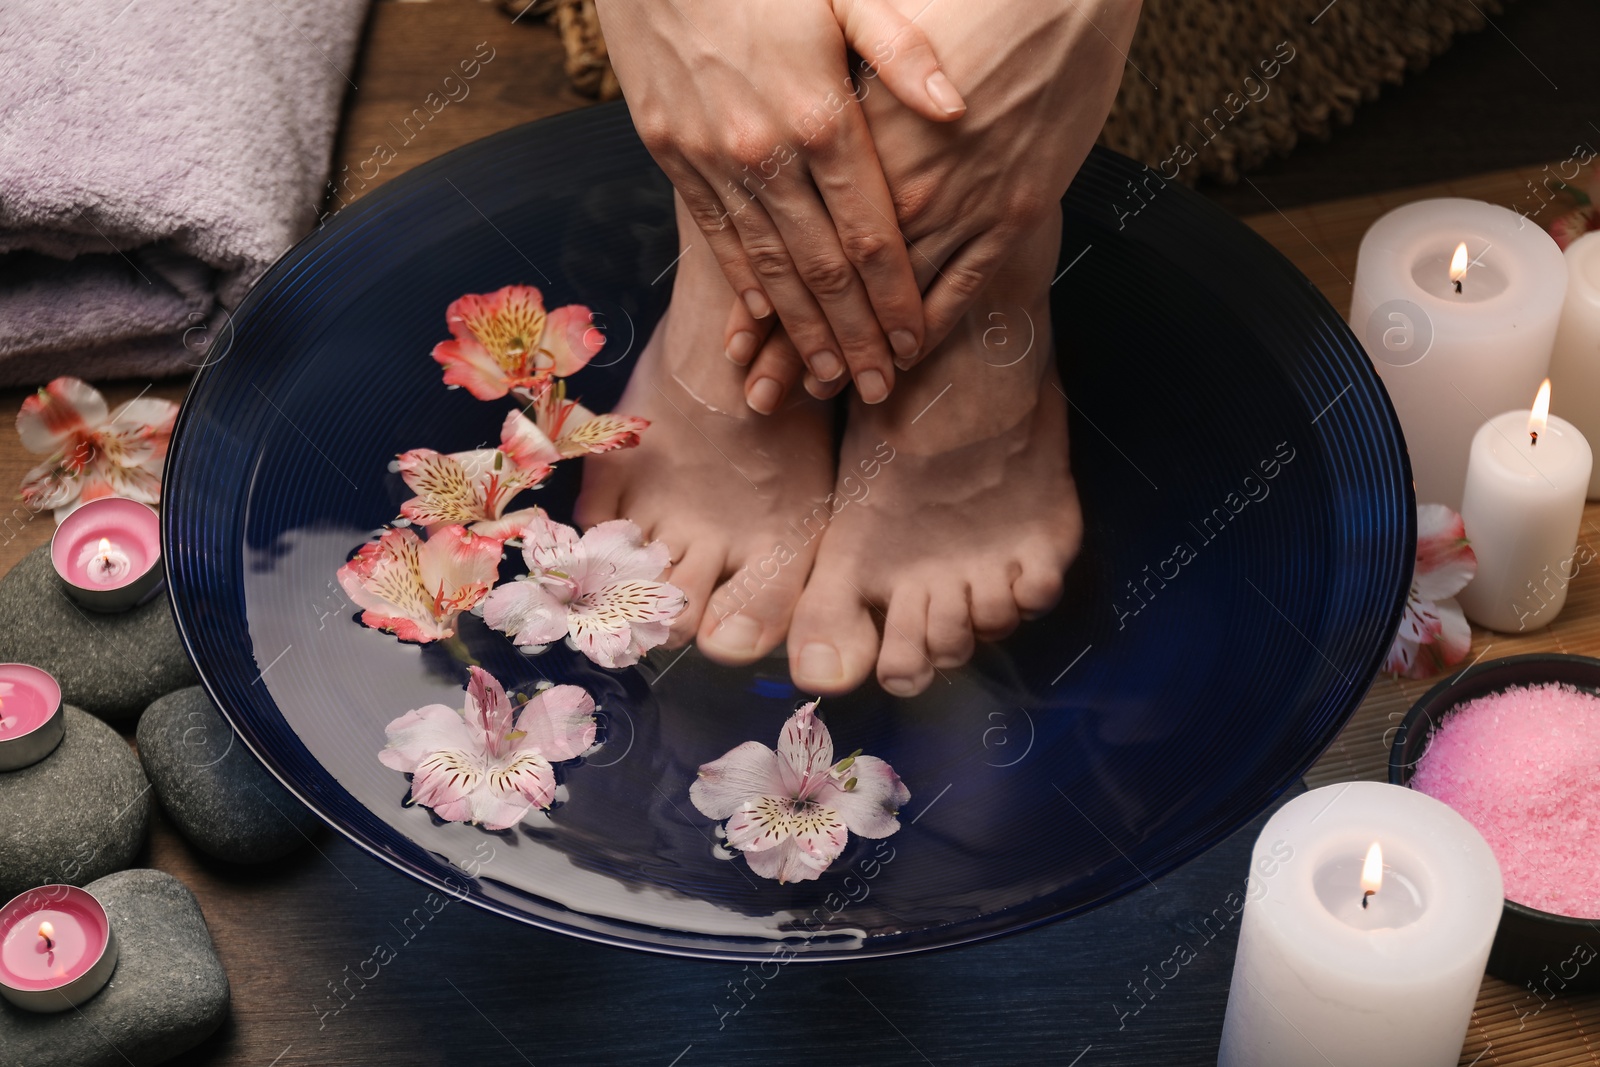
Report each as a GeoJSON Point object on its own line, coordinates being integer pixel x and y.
{"type": "Point", "coordinates": [1039, 76]}
{"type": "Point", "coordinates": [751, 109]}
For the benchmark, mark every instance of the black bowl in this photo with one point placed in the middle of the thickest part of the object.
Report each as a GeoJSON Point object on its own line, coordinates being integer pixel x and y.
{"type": "Point", "coordinates": [1548, 952]}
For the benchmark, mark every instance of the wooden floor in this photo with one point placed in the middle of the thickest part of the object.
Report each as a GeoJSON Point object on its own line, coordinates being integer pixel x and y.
{"type": "Point", "coordinates": [290, 931]}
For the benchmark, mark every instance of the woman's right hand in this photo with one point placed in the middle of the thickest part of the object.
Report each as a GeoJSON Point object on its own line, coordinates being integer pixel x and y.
{"type": "Point", "coordinates": [751, 109]}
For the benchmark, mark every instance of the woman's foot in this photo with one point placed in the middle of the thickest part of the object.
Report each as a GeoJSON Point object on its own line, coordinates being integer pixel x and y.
{"type": "Point", "coordinates": [739, 498]}
{"type": "Point", "coordinates": [968, 515]}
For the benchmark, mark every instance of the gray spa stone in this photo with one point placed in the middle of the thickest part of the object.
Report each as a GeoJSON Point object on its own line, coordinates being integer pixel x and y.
{"type": "Point", "coordinates": [78, 814]}
{"type": "Point", "coordinates": [217, 794]}
{"type": "Point", "coordinates": [168, 993]}
{"type": "Point", "coordinates": [110, 665]}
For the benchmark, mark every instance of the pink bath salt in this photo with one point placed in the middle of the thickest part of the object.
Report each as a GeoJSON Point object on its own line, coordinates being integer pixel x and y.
{"type": "Point", "coordinates": [1523, 766]}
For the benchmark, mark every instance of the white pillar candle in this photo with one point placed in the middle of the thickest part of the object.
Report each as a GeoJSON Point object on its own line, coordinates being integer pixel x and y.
{"type": "Point", "coordinates": [1452, 359]}
{"type": "Point", "coordinates": [1321, 980]}
{"type": "Point", "coordinates": [1575, 360]}
{"type": "Point", "coordinates": [1523, 505]}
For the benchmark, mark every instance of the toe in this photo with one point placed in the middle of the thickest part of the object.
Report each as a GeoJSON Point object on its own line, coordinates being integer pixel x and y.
{"type": "Point", "coordinates": [1038, 587]}
{"type": "Point", "coordinates": [949, 625]}
{"type": "Point", "coordinates": [994, 606]}
{"type": "Point", "coordinates": [697, 573]}
{"type": "Point", "coordinates": [904, 669]}
{"type": "Point", "coordinates": [750, 612]}
{"type": "Point", "coordinates": [832, 641]}
{"type": "Point", "coordinates": [597, 503]}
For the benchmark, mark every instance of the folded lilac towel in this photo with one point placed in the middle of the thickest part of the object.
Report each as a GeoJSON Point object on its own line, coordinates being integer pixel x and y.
{"type": "Point", "coordinates": [155, 157]}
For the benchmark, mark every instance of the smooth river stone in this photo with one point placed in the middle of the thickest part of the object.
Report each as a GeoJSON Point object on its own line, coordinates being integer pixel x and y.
{"type": "Point", "coordinates": [110, 665]}
{"type": "Point", "coordinates": [217, 793]}
{"type": "Point", "coordinates": [168, 993]}
{"type": "Point", "coordinates": [78, 814]}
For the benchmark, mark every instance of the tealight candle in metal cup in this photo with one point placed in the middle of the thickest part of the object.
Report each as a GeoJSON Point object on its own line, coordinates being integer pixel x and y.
{"type": "Point", "coordinates": [57, 948]}
{"type": "Point", "coordinates": [32, 722]}
{"type": "Point", "coordinates": [108, 553]}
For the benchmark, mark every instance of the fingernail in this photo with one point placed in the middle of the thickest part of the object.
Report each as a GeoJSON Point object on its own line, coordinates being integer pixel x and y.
{"type": "Point", "coordinates": [904, 343]}
{"type": "Point", "coordinates": [756, 301]}
{"type": "Point", "coordinates": [871, 386]}
{"type": "Point", "coordinates": [900, 687]}
{"type": "Point", "coordinates": [820, 663]}
{"type": "Point", "coordinates": [737, 635]}
{"type": "Point", "coordinates": [741, 347]}
{"type": "Point", "coordinates": [825, 365]}
{"type": "Point", "coordinates": [944, 94]}
{"type": "Point", "coordinates": [905, 362]}
{"type": "Point", "coordinates": [764, 395]}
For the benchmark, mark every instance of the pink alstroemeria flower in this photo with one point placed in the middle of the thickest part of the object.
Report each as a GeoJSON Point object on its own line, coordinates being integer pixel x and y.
{"type": "Point", "coordinates": [563, 428]}
{"type": "Point", "coordinates": [505, 341]}
{"type": "Point", "coordinates": [1434, 633]}
{"type": "Point", "coordinates": [488, 763]}
{"type": "Point", "coordinates": [601, 592]}
{"type": "Point", "coordinates": [415, 588]}
{"type": "Point", "coordinates": [1568, 227]}
{"type": "Point", "coordinates": [93, 451]}
{"type": "Point", "coordinates": [791, 811]}
{"type": "Point", "coordinates": [470, 488]}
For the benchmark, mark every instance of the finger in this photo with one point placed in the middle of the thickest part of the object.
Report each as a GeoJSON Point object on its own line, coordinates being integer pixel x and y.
{"type": "Point", "coordinates": [959, 281]}
{"type": "Point", "coordinates": [779, 271]}
{"type": "Point", "coordinates": [824, 390]}
{"type": "Point", "coordinates": [745, 334]}
{"type": "Point", "coordinates": [857, 196]}
{"type": "Point", "coordinates": [895, 49]}
{"type": "Point", "coordinates": [811, 242]}
{"type": "Point", "coordinates": [718, 223]}
{"type": "Point", "coordinates": [773, 374]}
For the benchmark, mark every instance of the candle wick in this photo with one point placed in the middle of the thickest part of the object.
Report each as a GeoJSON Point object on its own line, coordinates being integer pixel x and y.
{"type": "Point", "coordinates": [1534, 435]}
{"type": "Point", "coordinates": [1458, 285]}
{"type": "Point", "coordinates": [49, 945]}
{"type": "Point", "coordinates": [1365, 897]}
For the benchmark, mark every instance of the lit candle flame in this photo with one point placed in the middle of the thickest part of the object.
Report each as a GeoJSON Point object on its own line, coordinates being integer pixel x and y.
{"type": "Point", "coordinates": [1458, 265]}
{"type": "Point", "coordinates": [48, 932]}
{"type": "Point", "coordinates": [1539, 417]}
{"type": "Point", "coordinates": [1372, 873]}
{"type": "Point", "coordinates": [104, 562]}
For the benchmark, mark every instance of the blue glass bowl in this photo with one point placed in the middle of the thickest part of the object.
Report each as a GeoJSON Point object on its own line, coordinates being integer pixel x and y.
{"type": "Point", "coordinates": [1249, 544]}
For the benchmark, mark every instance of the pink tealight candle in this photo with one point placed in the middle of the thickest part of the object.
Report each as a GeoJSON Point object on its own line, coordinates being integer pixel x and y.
{"type": "Point", "coordinates": [32, 723]}
{"type": "Point", "coordinates": [108, 552]}
{"type": "Point", "coordinates": [57, 948]}
{"type": "Point", "coordinates": [1520, 766]}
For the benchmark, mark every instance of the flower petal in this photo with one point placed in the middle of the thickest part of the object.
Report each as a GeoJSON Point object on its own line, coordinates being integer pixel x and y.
{"type": "Point", "coordinates": [49, 486]}
{"type": "Point", "coordinates": [600, 433]}
{"type": "Point", "coordinates": [1445, 560]}
{"type": "Point", "coordinates": [445, 492]}
{"type": "Point", "coordinates": [870, 806]}
{"type": "Point", "coordinates": [526, 779]}
{"type": "Point", "coordinates": [428, 729]}
{"type": "Point", "coordinates": [526, 612]}
{"type": "Point", "coordinates": [615, 552]}
{"type": "Point", "coordinates": [457, 568]}
{"type": "Point", "coordinates": [54, 415]}
{"type": "Point", "coordinates": [523, 440]}
{"type": "Point", "coordinates": [508, 525]}
{"type": "Point", "coordinates": [384, 578]}
{"type": "Point", "coordinates": [570, 340]}
{"type": "Point", "coordinates": [488, 712]}
{"type": "Point", "coordinates": [468, 364]}
{"type": "Point", "coordinates": [789, 862]}
{"type": "Point", "coordinates": [805, 752]}
{"type": "Point", "coordinates": [548, 545]}
{"type": "Point", "coordinates": [747, 771]}
{"type": "Point", "coordinates": [558, 723]}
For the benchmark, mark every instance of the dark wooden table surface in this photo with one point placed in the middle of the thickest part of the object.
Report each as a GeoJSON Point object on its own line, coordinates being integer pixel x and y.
{"type": "Point", "coordinates": [468, 988]}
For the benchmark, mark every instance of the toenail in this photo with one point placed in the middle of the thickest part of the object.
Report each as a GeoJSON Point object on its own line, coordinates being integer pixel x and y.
{"type": "Point", "coordinates": [904, 343]}
{"type": "Point", "coordinates": [741, 347]}
{"type": "Point", "coordinates": [764, 395]}
{"type": "Point", "coordinates": [820, 662]}
{"type": "Point", "coordinates": [900, 687]}
{"type": "Point", "coordinates": [737, 634]}
{"type": "Point", "coordinates": [871, 386]}
{"type": "Point", "coordinates": [825, 365]}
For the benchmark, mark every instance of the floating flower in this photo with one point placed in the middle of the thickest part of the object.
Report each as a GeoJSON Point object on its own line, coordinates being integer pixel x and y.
{"type": "Point", "coordinates": [791, 811]}
{"type": "Point", "coordinates": [93, 451]}
{"type": "Point", "coordinates": [415, 588]}
{"type": "Point", "coordinates": [601, 592]}
{"type": "Point", "coordinates": [1434, 633]}
{"type": "Point", "coordinates": [469, 487]}
{"type": "Point", "coordinates": [1568, 227]}
{"type": "Point", "coordinates": [487, 763]}
{"type": "Point", "coordinates": [562, 428]}
{"type": "Point", "coordinates": [505, 341]}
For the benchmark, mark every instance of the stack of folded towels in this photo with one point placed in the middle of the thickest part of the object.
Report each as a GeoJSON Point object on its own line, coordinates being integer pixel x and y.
{"type": "Point", "coordinates": [156, 156]}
